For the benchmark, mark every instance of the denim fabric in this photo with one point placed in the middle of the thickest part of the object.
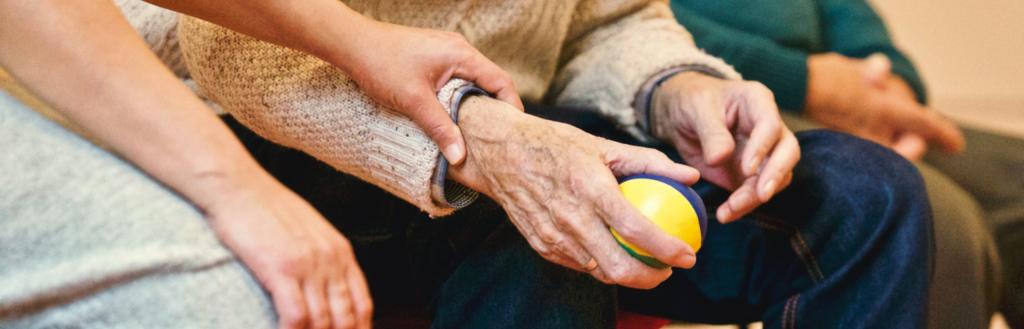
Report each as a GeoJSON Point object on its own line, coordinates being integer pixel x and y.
{"type": "Point", "coordinates": [847, 245]}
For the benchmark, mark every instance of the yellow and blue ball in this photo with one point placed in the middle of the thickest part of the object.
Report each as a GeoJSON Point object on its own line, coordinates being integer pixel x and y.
{"type": "Point", "coordinates": [674, 207]}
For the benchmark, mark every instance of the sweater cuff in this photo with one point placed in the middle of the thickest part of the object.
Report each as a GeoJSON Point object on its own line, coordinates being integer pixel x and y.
{"type": "Point", "coordinates": [444, 192]}
{"type": "Point", "coordinates": [645, 96]}
{"type": "Point", "coordinates": [784, 73]}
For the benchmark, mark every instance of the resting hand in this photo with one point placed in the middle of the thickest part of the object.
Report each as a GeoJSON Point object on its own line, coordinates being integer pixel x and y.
{"type": "Point", "coordinates": [863, 98]}
{"type": "Point", "coordinates": [306, 265]}
{"type": "Point", "coordinates": [557, 184]}
{"type": "Point", "coordinates": [732, 132]}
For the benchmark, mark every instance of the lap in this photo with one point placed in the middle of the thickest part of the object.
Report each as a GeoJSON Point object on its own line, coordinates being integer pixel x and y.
{"type": "Point", "coordinates": [80, 228]}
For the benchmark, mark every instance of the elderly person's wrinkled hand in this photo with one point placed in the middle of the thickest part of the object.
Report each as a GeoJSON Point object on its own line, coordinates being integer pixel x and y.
{"type": "Point", "coordinates": [732, 132]}
{"type": "Point", "coordinates": [558, 186]}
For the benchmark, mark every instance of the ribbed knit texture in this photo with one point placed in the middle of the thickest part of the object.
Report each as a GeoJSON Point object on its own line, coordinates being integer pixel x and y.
{"type": "Point", "coordinates": [589, 54]}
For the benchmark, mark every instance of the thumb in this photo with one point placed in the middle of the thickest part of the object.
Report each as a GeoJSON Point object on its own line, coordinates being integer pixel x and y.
{"type": "Point", "coordinates": [876, 69]}
{"type": "Point", "coordinates": [437, 123]}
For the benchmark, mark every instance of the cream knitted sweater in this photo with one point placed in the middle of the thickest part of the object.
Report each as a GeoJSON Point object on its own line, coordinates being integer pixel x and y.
{"type": "Point", "coordinates": [593, 54]}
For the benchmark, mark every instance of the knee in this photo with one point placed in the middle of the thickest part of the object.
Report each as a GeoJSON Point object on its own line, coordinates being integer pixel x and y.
{"type": "Point", "coordinates": [870, 188]}
{"type": "Point", "coordinates": [859, 170]}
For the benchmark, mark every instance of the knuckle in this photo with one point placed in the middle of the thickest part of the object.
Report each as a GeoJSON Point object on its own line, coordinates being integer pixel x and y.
{"type": "Point", "coordinates": [294, 263]}
{"type": "Point", "coordinates": [628, 229]}
{"type": "Point", "coordinates": [436, 129]}
{"type": "Point", "coordinates": [619, 275]}
{"type": "Point", "coordinates": [545, 252]}
{"type": "Point", "coordinates": [346, 323]}
{"type": "Point", "coordinates": [365, 310]}
{"type": "Point", "coordinates": [294, 319]}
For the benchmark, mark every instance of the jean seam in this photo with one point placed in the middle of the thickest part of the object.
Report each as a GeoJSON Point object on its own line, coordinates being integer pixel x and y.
{"type": "Point", "coordinates": [797, 243]}
{"type": "Point", "coordinates": [789, 312]}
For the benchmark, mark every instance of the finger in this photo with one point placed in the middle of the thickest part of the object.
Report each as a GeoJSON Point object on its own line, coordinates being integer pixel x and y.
{"type": "Point", "coordinates": [876, 69]}
{"type": "Point", "coordinates": [340, 302]}
{"type": "Point", "coordinates": [743, 200]}
{"type": "Point", "coordinates": [523, 223]}
{"type": "Point", "coordinates": [488, 76]}
{"type": "Point", "coordinates": [783, 158]}
{"type": "Point", "coordinates": [614, 265]}
{"type": "Point", "coordinates": [636, 228]}
{"type": "Point", "coordinates": [930, 125]}
{"type": "Point", "coordinates": [626, 160]}
{"type": "Point", "coordinates": [715, 139]}
{"type": "Point", "coordinates": [562, 244]}
{"type": "Point", "coordinates": [289, 303]}
{"type": "Point", "coordinates": [361, 300]}
{"type": "Point", "coordinates": [315, 290]}
{"type": "Point", "coordinates": [767, 130]}
{"type": "Point", "coordinates": [432, 118]}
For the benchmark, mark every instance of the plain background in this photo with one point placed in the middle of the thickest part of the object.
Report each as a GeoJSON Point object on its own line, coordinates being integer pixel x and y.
{"type": "Point", "coordinates": [971, 54]}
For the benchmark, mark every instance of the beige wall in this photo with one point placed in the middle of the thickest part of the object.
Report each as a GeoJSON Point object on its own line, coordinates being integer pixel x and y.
{"type": "Point", "coordinates": [971, 54]}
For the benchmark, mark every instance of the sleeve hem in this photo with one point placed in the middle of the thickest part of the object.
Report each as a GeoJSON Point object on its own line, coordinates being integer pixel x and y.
{"type": "Point", "coordinates": [645, 96]}
{"type": "Point", "coordinates": [444, 192]}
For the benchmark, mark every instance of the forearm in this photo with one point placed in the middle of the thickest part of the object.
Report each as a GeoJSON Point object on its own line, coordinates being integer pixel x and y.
{"type": "Point", "coordinates": [316, 27]}
{"type": "Point", "coordinates": [87, 63]}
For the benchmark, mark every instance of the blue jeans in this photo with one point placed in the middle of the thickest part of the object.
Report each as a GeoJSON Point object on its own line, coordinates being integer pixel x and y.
{"type": "Point", "coordinates": [848, 245]}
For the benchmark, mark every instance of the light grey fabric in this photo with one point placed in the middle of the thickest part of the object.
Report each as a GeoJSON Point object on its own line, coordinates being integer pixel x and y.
{"type": "Point", "coordinates": [88, 241]}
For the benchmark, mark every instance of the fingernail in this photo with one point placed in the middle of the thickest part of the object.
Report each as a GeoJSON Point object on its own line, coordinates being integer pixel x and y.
{"type": "Point", "coordinates": [755, 165]}
{"type": "Point", "coordinates": [453, 153]}
{"type": "Point", "coordinates": [689, 261]}
{"type": "Point", "coordinates": [722, 214]}
{"type": "Point", "coordinates": [768, 189]}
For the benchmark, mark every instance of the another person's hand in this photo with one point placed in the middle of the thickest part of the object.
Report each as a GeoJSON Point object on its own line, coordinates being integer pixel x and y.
{"type": "Point", "coordinates": [306, 265]}
{"type": "Point", "coordinates": [863, 98]}
{"type": "Point", "coordinates": [558, 186]}
{"type": "Point", "coordinates": [409, 65]}
{"type": "Point", "coordinates": [732, 132]}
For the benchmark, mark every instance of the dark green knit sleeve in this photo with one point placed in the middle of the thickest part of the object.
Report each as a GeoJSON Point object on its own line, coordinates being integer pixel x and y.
{"type": "Point", "coordinates": [854, 29]}
{"type": "Point", "coordinates": [781, 69]}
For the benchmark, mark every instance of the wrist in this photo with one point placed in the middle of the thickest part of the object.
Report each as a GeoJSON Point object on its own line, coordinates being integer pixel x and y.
{"type": "Point", "coordinates": [223, 178]}
{"type": "Point", "coordinates": [667, 97]}
{"type": "Point", "coordinates": [486, 124]}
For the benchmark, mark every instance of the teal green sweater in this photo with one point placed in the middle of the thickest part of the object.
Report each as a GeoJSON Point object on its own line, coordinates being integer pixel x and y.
{"type": "Point", "coordinates": [769, 40]}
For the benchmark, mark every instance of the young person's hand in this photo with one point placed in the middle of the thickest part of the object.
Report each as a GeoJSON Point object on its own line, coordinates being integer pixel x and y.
{"type": "Point", "coordinates": [863, 98]}
{"type": "Point", "coordinates": [732, 132]}
{"type": "Point", "coordinates": [557, 184]}
{"type": "Point", "coordinates": [400, 67]}
{"type": "Point", "coordinates": [131, 103]}
{"type": "Point", "coordinates": [305, 263]}
{"type": "Point", "coordinates": [418, 62]}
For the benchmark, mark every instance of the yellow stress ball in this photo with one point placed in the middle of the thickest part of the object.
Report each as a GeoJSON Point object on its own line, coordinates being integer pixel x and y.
{"type": "Point", "coordinates": [674, 207]}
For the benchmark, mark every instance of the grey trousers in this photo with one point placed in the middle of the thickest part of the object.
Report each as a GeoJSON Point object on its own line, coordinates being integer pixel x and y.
{"type": "Point", "coordinates": [966, 286]}
{"type": "Point", "coordinates": [88, 241]}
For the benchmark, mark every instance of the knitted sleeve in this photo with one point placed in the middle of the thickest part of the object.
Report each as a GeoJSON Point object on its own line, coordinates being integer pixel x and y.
{"type": "Point", "coordinates": [299, 101]}
{"type": "Point", "coordinates": [854, 29]}
{"type": "Point", "coordinates": [615, 48]}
